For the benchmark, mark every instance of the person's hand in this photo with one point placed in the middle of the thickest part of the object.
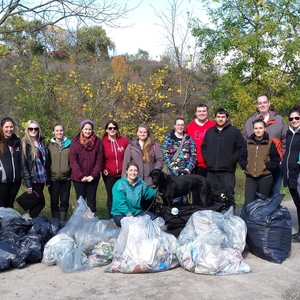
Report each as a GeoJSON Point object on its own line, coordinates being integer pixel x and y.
{"type": "Point", "coordinates": [29, 190]}
{"type": "Point", "coordinates": [105, 172]}
{"type": "Point", "coordinates": [89, 178]}
{"type": "Point", "coordinates": [84, 179]}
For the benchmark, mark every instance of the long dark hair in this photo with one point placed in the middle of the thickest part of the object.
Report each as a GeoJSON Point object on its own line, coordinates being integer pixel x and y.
{"type": "Point", "coordinates": [115, 124]}
{"type": "Point", "coordinates": [3, 141]}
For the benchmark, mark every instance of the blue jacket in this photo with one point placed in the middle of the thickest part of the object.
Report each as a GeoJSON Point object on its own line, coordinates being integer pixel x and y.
{"type": "Point", "coordinates": [127, 198]}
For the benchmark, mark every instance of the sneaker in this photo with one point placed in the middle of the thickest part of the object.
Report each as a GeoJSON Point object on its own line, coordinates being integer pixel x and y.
{"type": "Point", "coordinates": [295, 234]}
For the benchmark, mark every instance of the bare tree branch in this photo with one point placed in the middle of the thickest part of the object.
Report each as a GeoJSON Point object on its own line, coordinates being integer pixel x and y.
{"type": "Point", "coordinates": [107, 12]}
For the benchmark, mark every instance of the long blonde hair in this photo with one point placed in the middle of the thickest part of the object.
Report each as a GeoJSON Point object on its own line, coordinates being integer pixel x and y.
{"type": "Point", "coordinates": [146, 155]}
{"type": "Point", "coordinates": [27, 139]}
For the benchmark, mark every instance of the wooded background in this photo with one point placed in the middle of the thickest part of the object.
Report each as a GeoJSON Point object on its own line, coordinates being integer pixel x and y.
{"type": "Point", "coordinates": [58, 74]}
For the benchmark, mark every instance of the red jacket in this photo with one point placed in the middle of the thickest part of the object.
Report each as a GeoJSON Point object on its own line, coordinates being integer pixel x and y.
{"type": "Point", "coordinates": [197, 132]}
{"type": "Point", "coordinates": [84, 162]}
{"type": "Point", "coordinates": [113, 153]}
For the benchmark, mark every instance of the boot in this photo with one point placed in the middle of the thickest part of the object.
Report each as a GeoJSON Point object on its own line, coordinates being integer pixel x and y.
{"type": "Point", "coordinates": [55, 214]}
{"type": "Point", "coordinates": [62, 216]}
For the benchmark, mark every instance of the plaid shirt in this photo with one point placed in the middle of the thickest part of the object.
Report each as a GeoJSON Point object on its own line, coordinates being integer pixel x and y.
{"type": "Point", "coordinates": [40, 163]}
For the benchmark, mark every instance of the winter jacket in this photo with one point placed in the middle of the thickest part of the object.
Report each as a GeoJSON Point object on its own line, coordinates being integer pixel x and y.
{"type": "Point", "coordinates": [127, 198]}
{"type": "Point", "coordinates": [84, 162]}
{"type": "Point", "coordinates": [10, 162]}
{"type": "Point", "coordinates": [28, 167]}
{"type": "Point", "coordinates": [59, 159]}
{"type": "Point", "coordinates": [197, 133]}
{"type": "Point", "coordinates": [221, 148]}
{"type": "Point", "coordinates": [291, 168]}
{"type": "Point", "coordinates": [133, 153]}
{"type": "Point", "coordinates": [276, 129]}
{"type": "Point", "coordinates": [187, 158]}
{"type": "Point", "coordinates": [113, 153]}
{"type": "Point", "coordinates": [259, 158]}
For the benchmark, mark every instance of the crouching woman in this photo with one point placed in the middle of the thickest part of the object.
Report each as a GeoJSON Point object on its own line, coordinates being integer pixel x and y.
{"type": "Point", "coordinates": [128, 192]}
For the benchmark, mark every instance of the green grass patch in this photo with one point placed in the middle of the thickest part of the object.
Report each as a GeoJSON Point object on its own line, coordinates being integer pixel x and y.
{"type": "Point", "coordinates": [102, 213]}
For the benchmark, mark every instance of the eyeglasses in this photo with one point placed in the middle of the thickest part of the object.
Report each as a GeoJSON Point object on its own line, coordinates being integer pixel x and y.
{"type": "Point", "coordinates": [33, 129]}
{"type": "Point", "coordinates": [112, 128]}
{"type": "Point", "coordinates": [296, 118]}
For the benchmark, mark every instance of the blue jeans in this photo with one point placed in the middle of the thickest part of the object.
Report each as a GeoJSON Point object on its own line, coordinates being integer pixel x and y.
{"type": "Point", "coordinates": [277, 181]}
{"type": "Point", "coordinates": [117, 219]}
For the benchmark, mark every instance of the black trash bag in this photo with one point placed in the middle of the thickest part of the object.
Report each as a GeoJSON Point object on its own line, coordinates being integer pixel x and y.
{"type": "Point", "coordinates": [45, 228]}
{"type": "Point", "coordinates": [269, 228]}
{"type": "Point", "coordinates": [17, 226]}
{"type": "Point", "coordinates": [30, 250]}
{"type": "Point", "coordinates": [7, 254]}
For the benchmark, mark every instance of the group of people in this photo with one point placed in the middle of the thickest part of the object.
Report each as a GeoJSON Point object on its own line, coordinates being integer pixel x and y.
{"type": "Point", "coordinates": [266, 149]}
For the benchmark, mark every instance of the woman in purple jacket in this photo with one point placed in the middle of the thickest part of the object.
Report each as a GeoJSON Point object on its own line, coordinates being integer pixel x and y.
{"type": "Point", "coordinates": [86, 159]}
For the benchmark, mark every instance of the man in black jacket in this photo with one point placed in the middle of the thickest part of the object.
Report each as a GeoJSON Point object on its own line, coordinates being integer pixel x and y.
{"type": "Point", "coordinates": [221, 148]}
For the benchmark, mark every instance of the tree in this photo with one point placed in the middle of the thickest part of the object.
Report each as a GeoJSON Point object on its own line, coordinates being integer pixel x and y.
{"type": "Point", "coordinates": [53, 12]}
{"type": "Point", "coordinates": [94, 41]}
{"type": "Point", "coordinates": [255, 44]}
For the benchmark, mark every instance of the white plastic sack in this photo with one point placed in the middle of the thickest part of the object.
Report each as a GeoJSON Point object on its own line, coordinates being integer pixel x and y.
{"type": "Point", "coordinates": [142, 246]}
{"type": "Point", "coordinates": [84, 242]}
{"type": "Point", "coordinates": [8, 213]}
{"type": "Point", "coordinates": [211, 243]}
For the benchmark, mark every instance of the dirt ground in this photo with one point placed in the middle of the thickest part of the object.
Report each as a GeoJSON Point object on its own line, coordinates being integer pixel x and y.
{"type": "Point", "coordinates": [266, 281]}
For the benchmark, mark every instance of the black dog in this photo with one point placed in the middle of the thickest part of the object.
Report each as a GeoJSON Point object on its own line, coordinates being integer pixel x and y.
{"type": "Point", "coordinates": [171, 186]}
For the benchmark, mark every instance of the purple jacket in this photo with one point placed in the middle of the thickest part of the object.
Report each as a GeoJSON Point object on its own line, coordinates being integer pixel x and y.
{"type": "Point", "coordinates": [84, 162]}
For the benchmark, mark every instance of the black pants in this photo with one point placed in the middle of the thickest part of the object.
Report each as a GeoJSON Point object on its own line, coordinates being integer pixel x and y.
{"type": "Point", "coordinates": [8, 193]}
{"type": "Point", "coordinates": [88, 191]}
{"type": "Point", "coordinates": [35, 210]}
{"type": "Point", "coordinates": [202, 172]}
{"type": "Point", "coordinates": [109, 182]}
{"type": "Point", "coordinates": [59, 194]}
{"type": "Point", "coordinates": [296, 198]}
{"type": "Point", "coordinates": [225, 182]}
{"type": "Point", "coordinates": [260, 185]}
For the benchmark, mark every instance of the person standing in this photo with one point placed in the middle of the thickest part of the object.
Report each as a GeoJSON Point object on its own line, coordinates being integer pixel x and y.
{"type": "Point", "coordinates": [196, 130]}
{"type": "Point", "coordinates": [86, 159]}
{"type": "Point", "coordinates": [291, 163]}
{"type": "Point", "coordinates": [179, 151]}
{"type": "Point", "coordinates": [34, 160]}
{"type": "Point", "coordinates": [221, 149]}
{"type": "Point", "coordinates": [259, 157]}
{"type": "Point", "coordinates": [60, 171]}
{"type": "Point", "coordinates": [145, 152]}
{"type": "Point", "coordinates": [10, 163]}
{"type": "Point", "coordinates": [114, 146]}
{"type": "Point", "coordinates": [276, 129]}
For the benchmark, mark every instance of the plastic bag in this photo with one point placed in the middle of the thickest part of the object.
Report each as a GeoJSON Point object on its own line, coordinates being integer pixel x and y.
{"type": "Point", "coordinates": [209, 244]}
{"type": "Point", "coordinates": [7, 213]}
{"type": "Point", "coordinates": [269, 227]}
{"type": "Point", "coordinates": [142, 246]}
{"type": "Point", "coordinates": [77, 246]}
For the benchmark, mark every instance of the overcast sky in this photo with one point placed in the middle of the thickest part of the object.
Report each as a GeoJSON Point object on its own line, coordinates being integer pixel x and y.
{"type": "Point", "coordinates": [144, 33]}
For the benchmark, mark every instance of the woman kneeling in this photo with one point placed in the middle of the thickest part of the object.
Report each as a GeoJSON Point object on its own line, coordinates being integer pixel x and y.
{"type": "Point", "coordinates": [128, 193]}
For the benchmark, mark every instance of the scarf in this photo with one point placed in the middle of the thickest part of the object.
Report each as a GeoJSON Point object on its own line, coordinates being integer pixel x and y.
{"type": "Point", "coordinates": [87, 143]}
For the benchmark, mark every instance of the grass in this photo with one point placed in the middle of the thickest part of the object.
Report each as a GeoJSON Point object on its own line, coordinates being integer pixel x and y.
{"type": "Point", "coordinates": [102, 213]}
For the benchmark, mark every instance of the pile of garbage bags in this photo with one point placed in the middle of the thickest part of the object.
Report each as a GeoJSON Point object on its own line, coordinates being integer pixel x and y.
{"type": "Point", "coordinates": [21, 240]}
{"type": "Point", "coordinates": [212, 243]}
{"type": "Point", "coordinates": [85, 242]}
{"type": "Point", "coordinates": [269, 228]}
{"type": "Point", "coordinates": [143, 246]}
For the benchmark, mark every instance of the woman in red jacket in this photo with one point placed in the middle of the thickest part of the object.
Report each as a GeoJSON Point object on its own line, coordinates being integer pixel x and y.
{"type": "Point", "coordinates": [114, 146]}
{"type": "Point", "coordinates": [86, 159]}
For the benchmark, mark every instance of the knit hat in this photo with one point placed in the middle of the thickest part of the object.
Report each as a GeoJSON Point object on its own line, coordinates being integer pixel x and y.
{"type": "Point", "coordinates": [82, 123]}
